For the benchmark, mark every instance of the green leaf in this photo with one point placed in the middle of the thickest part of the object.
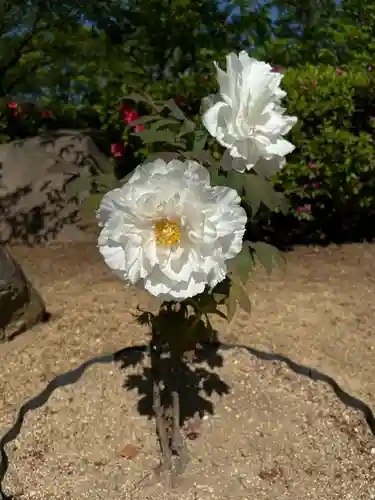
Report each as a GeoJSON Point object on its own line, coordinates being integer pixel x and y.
{"type": "Point", "coordinates": [267, 255]}
{"type": "Point", "coordinates": [242, 297]}
{"type": "Point", "coordinates": [242, 264]}
{"type": "Point", "coordinates": [175, 110]}
{"type": "Point", "coordinates": [163, 122]}
{"type": "Point", "coordinates": [149, 136]}
{"type": "Point", "coordinates": [231, 304]}
{"type": "Point", "coordinates": [145, 119]}
{"type": "Point", "coordinates": [226, 161]}
{"type": "Point", "coordinates": [203, 157]}
{"type": "Point", "coordinates": [236, 181]}
{"type": "Point", "coordinates": [187, 127]}
{"type": "Point", "coordinates": [216, 179]}
{"type": "Point", "coordinates": [167, 156]}
{"type": "Point", "coordinates": [144, 98]}
{"type": "Point", "coordinates": [219, 297]}
{"type": "Point", "coordinates": [259, 190]}
{"type": "Point", "coordinates": [200, 139]}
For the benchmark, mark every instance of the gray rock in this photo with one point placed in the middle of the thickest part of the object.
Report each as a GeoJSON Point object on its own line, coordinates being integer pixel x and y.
{"type": "Point", "coordinates": [36, 200]}
{"type": "Point", "coordinates": [21, 306]}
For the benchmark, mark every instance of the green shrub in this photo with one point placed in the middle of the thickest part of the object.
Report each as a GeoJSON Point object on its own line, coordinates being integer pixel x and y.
{"type": "Point", "coordinates": [330, 177]}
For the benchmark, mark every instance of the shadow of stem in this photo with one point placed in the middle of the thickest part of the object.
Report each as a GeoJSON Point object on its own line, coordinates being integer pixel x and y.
{"type": "Point", "coordinates": [174, 355]}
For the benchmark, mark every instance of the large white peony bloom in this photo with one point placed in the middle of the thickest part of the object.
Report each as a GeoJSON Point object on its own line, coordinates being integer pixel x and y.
{"type": "Point", "coordinates": [168, 230]}
{"type": "Point", "coordinates": [246, 117]}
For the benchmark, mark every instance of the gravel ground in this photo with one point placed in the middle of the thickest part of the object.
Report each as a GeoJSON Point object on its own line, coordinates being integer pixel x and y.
{"type": "Point", "coordinates": [274, 434]}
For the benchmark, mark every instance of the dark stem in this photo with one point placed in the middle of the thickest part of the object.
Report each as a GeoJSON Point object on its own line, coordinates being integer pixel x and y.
{"type": "Point", "coordinates": [177, 442]}
{"type": "Point", "coordinates": [160, 417]}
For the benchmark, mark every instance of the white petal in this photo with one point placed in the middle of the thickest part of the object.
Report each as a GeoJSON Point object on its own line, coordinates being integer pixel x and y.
{"type": "Point", "coordinates": [281, 147]}
{"type": "Point", "coordinates": [212, 226]}
{"type": "Point", "coordinates": [247, 117]}
{"type": "Point", "coordinates": [215, 119]}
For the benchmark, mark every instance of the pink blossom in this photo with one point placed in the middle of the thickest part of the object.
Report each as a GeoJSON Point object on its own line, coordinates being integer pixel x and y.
{"type": "Point", "coordinates": [46, 114]}
{"type": "Point", "coordinates": [304, 209]}
{"type": "Point", "coordinates": [312, 164]}
{"type": "Point", "coordinates": [369, 67]}
{"type": "Point", "coordinates": [117, 149]}
{"type": "Point", "coordinates": [316, 185]}
{"type": "Point", "coordinates": [12, 105]}
{"type": "Point", "coordinates": [130, 115]}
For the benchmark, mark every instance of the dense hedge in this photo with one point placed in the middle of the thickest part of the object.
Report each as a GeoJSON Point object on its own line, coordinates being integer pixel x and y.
{"type": "Point", "coordinates": [329, 178]}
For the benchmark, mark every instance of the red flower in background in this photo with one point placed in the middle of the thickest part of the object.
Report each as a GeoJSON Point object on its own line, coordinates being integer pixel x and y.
{"type": "Point", "coordinates": [129, 115]}
{"type": "Point", "coordinates": [13, 105]}
{"type": "Point", "coordinates": [304, 209]}
{"type": "Point", "coordinates": [46, 114]}
{"type": "Point", "coordinates": [118, 150]}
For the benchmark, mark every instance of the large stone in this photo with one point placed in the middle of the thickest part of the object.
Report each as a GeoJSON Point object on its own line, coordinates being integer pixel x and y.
{"type": "Point", "coordinates": [21, 306]}
{"type": "Point", "coordinates": [36, 204]}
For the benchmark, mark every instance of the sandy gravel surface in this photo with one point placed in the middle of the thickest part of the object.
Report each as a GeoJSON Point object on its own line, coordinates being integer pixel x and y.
{"type": "Point", "coordinates": [274, 435]}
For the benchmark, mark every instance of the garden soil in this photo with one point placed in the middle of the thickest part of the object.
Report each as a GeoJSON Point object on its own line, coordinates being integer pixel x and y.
{"type": "Point", "coordinates": [267, 432]}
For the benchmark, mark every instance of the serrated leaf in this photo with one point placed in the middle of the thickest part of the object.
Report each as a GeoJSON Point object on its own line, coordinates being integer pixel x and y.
{"type": "Point", "coordinates": [242, 264]}
{"type": "Point", "coordinates": [200, 139]}
{"type": "Point", "coordinates": [219, 297]}
{"type": "Point", "coordinates": [187, 127]}
{"type": "Point", "coordinates": [167, 156]}
{"type": "Point", "coordinates": [226, 161]}
{"type": "Point", "coordinates": [242, 297]}
{"type": "Point", "coordinates": [175, 110]}
{"type": "Point", "coordinates": [144, 98]}
{"type": "Point", "coordinates": [203, 157]}
{"type": "Point", "coordinates": [149, 136]}
{"type": "Point", "coordinates": [267, 255]}
{"type": "Point", "coordinates": [231, 304]}
{"type": "Point", "coordinates": [163, 122]}
{"type": "Point", "coordinates": [236, 181]}
{"type": "Point", "coordinates": [145, 119]}
{"type": "Point", "coordinates": [259, 190]}
{"type": "Point", "coordinates": [216, 179]}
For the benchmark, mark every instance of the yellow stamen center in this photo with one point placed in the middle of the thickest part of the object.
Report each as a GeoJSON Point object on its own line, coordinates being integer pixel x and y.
{"type": "Point", "coordinates": [167, 231]}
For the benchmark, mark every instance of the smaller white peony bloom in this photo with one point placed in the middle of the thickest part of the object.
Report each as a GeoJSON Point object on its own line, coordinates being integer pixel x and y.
{"type": "Point", "coordinates": [169, 231]}
{"type": "Point", "coordinates": [246, 116]}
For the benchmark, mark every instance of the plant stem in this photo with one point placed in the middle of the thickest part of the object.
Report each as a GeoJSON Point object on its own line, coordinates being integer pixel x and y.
{"type": "Point", "coordinates": [161, 424]}
{"type": "Point", "coordinates": [177, 443]}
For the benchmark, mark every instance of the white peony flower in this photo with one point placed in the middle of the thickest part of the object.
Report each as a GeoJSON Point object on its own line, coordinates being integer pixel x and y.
{"type": "Point", "coordinates": [246, 117]}
{"type": "Point", "coordinates": [168, 230]}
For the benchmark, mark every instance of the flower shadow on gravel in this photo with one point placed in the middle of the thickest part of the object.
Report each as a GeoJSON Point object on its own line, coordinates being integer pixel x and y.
{"type": "Point", "coordinates": [198, 380]}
